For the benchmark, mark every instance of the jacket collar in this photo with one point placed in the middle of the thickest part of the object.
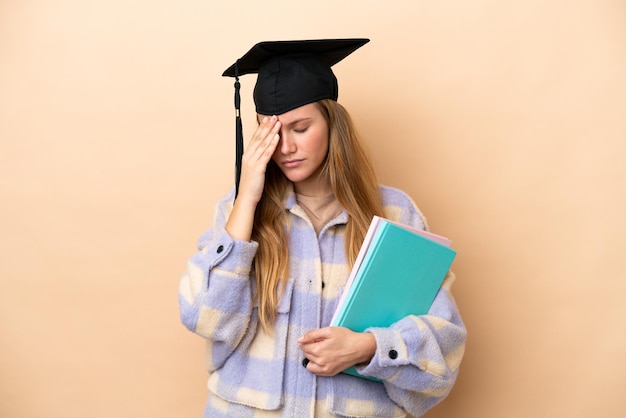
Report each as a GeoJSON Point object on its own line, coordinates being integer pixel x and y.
{"type": "Point", "coordinates": [291, 205]}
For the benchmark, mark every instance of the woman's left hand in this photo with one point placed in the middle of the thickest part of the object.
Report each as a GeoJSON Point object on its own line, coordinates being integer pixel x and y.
{"type": "Point", "coordinates": [331, 350]}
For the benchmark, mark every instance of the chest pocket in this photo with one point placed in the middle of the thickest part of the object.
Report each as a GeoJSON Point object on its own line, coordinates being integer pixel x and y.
{"type": "Point", "coordinates": [253, 374]}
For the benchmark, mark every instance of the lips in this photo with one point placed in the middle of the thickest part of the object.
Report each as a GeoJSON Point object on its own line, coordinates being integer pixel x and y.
{"type": "Point", "coordinates": [292, 163]}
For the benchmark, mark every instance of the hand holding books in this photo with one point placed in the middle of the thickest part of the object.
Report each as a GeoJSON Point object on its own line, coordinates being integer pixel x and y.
{"type": "Point", "coordinates": [398, 272]}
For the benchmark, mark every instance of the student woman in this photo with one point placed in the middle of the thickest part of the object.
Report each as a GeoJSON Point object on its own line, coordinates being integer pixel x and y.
{"type": "Point", "coordinates": [269, 273]}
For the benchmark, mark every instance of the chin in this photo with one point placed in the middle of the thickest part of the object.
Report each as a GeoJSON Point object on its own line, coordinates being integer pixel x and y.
{"type": "Point", "coordinates": [295, 177]}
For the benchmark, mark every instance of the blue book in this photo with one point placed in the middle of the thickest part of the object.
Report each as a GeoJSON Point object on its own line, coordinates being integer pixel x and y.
{"type": "Point", "coordinates": [398, 272]}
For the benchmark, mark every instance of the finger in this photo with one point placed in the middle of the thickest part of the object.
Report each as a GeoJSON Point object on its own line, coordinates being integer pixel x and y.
{"type": "Point", "coordinates": [265, 127]}
{"type": "Point", "coordinates": [262, 153]}
{"type": "Point", "coordinates": [315, 368]}
{"type": "Point", "coordinates": [313, 336]}
{"type": "Point", "coordinates": [310, 365]}
{"type": "Point", "coordinates": [265, 139]}
{"type": "Point", "coordinates": [270, 142]}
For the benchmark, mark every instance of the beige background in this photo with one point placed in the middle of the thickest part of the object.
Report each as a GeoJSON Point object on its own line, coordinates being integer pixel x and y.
{"type": "Point", "coordinates": [503, 120]}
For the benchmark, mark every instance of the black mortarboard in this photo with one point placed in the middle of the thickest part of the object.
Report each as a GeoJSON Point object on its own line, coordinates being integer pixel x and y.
{"type": "Point", "coordinates": [290, 74]}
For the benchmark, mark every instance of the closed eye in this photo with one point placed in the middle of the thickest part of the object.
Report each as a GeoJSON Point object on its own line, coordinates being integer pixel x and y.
{"type": "Point", "coordinates": [300, 126]}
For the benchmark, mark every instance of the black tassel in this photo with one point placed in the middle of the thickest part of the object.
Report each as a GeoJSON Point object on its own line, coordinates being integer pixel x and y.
{"type": "Point", "coordinates": [238, 133]}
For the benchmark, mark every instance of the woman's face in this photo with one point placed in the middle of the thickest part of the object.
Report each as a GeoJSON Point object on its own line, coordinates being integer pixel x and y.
{"type": "Point", "coordinates": [302, 149]}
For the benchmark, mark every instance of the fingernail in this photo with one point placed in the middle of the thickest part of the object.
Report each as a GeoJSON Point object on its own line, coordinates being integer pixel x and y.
{"type": "Point", "coordinates": [305, 362]}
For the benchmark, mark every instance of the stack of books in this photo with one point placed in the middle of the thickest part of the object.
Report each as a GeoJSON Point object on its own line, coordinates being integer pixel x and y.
{"type": "Point", "coordinates": [398, 272]}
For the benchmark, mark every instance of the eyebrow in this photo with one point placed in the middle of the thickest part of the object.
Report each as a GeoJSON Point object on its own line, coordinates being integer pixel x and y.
{"type": "Point", "coordinates": [297, 121]}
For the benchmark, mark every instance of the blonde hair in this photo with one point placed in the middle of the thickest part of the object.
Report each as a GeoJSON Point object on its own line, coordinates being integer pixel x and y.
{"type": "Point", "coordinates": [354, 184]}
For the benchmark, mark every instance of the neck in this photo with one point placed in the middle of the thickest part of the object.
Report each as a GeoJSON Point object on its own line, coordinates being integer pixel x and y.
{"type": "Point", "coordinates": [313, 187]}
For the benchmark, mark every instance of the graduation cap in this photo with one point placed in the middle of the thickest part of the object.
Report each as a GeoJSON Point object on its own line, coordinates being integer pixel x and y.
{"type": "Point", "coordinates": [290, 74]}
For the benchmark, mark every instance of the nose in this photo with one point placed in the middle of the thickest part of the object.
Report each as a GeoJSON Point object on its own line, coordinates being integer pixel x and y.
{"type": "Point", "coordinates": [287, 145]}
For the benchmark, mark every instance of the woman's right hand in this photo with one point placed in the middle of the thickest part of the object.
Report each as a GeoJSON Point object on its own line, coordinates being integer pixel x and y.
{"type": "Point", "coordinates": [252, 181]}
{"type": "Point", "coordinates": [256, 157]}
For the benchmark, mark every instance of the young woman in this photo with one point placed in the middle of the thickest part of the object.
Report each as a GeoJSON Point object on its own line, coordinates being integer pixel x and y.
{"type": "Point", "coordinates": [268, 275]}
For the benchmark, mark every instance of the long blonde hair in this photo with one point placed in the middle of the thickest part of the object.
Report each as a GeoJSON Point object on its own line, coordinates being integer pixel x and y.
{"type": "Point", "coordinates": [354, 184]}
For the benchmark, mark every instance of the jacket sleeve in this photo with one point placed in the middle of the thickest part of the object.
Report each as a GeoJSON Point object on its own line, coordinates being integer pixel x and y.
{"type": "Point", "coordinates": [418, 357]}
{"type": "Point", "coordinates": [215, 297]}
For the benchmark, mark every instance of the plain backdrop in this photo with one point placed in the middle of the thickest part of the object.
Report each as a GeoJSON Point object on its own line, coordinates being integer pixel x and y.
{"type": "Point", "coordinates": [504, 120]}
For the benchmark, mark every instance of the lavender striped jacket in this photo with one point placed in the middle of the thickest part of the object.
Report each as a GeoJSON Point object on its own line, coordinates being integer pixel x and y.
{"type": "Point", "coordinates": [253, 374]}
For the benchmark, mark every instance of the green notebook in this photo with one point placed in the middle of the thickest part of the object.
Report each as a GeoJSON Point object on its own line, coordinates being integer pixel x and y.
{"type": "Point", "coordinates": [398, 272]}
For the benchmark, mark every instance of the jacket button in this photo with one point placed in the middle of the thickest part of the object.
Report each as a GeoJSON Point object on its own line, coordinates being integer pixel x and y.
{"type": "Point", "coordinates": [393, 354]}
{"type": "Point", "coordinates": [220, 249]}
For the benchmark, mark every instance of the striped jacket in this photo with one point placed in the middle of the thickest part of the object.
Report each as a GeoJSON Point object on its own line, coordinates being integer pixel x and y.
{"type": "Point", "coordinates": [254, 374]}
